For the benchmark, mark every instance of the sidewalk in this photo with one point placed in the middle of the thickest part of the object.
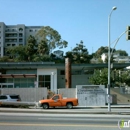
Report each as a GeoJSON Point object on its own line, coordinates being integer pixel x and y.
{"type": "Point", "coordinates": [115, 109]}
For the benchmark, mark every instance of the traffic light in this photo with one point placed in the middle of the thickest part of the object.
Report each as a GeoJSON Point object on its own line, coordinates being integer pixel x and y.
{"type": "Point", "coordinates": [128, 33]}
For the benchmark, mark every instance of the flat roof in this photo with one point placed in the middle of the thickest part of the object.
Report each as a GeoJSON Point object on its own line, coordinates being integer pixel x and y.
{"type": "Point", "coordinates": [18, 75]}
{"type": "Point", "coordinates": [50, 65]}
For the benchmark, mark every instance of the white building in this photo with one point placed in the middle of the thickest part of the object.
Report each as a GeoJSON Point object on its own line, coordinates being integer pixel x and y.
{"type": "Point", "coordinates": [15, 35]}
{"type": "Point", "coordinates": [117, 58]}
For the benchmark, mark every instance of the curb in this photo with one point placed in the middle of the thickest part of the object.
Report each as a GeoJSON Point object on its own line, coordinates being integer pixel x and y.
{"type": "Point", "coordinates": [44, 111]}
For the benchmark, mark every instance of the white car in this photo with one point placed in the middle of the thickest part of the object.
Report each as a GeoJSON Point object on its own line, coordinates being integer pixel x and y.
{"type": "Point", "coordinates": [11, 98]}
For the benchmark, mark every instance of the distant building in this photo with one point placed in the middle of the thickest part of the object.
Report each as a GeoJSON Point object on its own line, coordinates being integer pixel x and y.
{"type": "Point", "coordinates": [94, 60]}
{"type": "Point", "coordinates": [15, 35]}
{"type": "Point", "coordinates": [122, 59]}
{"type": "Point", "coordinates": [58, 53]}
{"type": "Point", "coordinates": [116, 58]}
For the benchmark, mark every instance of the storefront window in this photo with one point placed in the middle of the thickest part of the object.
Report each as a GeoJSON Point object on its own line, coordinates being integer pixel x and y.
{"type": "Point", "coordinates": [44, 81]}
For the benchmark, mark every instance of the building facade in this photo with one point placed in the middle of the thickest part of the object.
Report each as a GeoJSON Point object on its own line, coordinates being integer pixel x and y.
{"type": "Point", "coordinates": [46, 74]}
{"type": "Point", "coordinates": [15, 35]}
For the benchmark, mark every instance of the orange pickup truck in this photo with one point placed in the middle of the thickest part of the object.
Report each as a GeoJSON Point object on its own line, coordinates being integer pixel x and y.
{"type": "Point", "coordinates": [58, 101]}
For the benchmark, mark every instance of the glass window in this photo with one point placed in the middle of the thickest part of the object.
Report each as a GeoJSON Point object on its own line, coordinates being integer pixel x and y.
{"type": "Point", "coordinates": [62, 72]}
{"type": "Point", "coordinates": [47, 84]}
{"type": "Point", "coordinates": [23, 85]}
{"type": "Point", "coordinates": [17, 80]}
{"type": "Point", "coordinates": [31, 80]}
{"type": "Point", "coordinates": [20, 29]}
{"type": "Point", "coordinates": [10, 86]}
{"type": "Point", "coordinates": [44, 81]}
{"type": "Point", "coordinates": [10, 80]}
{"type": "Point", "coordinates": [41, 78]}
{"type": "Point", "coordinates": [3, 97]}
{"type": "Point", "coordinates": [5, 86]}
{"type": "Point", "coordinates": [47, 77]}
{"type": "Point", "coordinates": [30, 85]}
{"type": "Point", "coordinates": [23, 80]}
{"type": "Point", "coordinates": [17, 85]}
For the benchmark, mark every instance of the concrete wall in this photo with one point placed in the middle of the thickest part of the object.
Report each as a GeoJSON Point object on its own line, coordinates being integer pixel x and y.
{"type": "Point", "coordinates": [91, 95]}
{"type": "Point", "coordinates": [27, 94]}
{"type": "Point", "coordinates": [87, 96]}
{"type": "Point", "coordinates": [91, 99]}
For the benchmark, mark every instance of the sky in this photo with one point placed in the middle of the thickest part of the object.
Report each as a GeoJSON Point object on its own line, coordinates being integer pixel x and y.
{"type": "Point", "coordinates": [75, 20]}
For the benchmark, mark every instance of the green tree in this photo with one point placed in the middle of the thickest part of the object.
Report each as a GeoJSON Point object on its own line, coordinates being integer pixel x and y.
{"type": "Point", "coordinates": [124, 77]}
{"type": "Point", "coordinates": [17, 53]}
{"type": "Point", "coordinates": [52, 38]}
{"type": "Point", "coordinates": [30, 47]}
{"type": "Point", "coordinates": [100, 51]}
{"type": "Point", "coordinates": [100, 77]}
{"type": "Point", "coordinates": [43, 48]}
{"type": "Point", "coordinates": [4, 59]}
{"type": "Point", "coordinates": [117, 77]}
{"type": "Point", "coordinates": [79, 54]}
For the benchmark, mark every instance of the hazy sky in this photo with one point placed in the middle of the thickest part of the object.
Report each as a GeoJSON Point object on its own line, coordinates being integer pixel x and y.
{"type": "Point", "coordinates": [75, 20]}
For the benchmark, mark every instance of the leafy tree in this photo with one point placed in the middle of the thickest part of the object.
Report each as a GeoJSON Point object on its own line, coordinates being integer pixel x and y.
{"type": "Point", "coordinates": [79, 54]}
{"type": "Point", "coordinates": [43, 48]}
{"type": "Point", "coordinates": [17, 53]}
{"type": "Point", "coordinates": [102, 50]}
{"type": "Point", "coordinates": [117, 78]}
{"type": "Point", "coordinates": [101, 77]}
{"type": "Point", "coordinates": [4, 59]}
{"type": "Point", "coordinates": [44, 58]}
{"type": "Point", "coordinates": [124, 77]}
{"type": "Point", "coordinates": [30, 46]}
{"type": "Point", "coordinates": [51, 37]}
{"type": "Point", "coordinates": [23, 53]}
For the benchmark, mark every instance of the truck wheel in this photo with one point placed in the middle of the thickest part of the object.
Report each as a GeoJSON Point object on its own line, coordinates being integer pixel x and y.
{"type": "Point", "coordinates": [45, 106]}
{"type": "Point", "coordinates": [69, 105]}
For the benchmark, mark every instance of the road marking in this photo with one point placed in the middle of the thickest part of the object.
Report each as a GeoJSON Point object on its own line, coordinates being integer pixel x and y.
{"type": "Point", "coordinates": [65, 125]}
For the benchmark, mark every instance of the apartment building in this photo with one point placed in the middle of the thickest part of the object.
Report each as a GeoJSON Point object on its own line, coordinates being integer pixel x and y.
{"type": "Point", "coordinates": [15, 35]}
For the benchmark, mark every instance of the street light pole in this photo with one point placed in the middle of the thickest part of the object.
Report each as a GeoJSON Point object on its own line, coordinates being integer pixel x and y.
{"type": "Point", "coordinates": [109, 58]}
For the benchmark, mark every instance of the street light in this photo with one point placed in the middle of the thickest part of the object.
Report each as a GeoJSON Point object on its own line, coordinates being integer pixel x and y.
{"type": "Point", "coordinates": [109, 58]}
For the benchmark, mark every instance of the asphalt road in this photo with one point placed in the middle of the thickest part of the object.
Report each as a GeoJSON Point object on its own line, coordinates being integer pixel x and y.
{"type": "Point", "coordinates": [69, 111]}
{"type": "Point", "coordinates": [33, 121]}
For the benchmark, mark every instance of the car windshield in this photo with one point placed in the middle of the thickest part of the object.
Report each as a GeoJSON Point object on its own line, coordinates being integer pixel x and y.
{"type": "Point", "coordinates": [55, 97]}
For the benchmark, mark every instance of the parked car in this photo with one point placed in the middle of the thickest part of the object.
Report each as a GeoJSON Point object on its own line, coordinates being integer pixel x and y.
{"type": "Point", "coordinates": [58, 101]}
{"type": "Point", "coordinates": [10, 98]}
